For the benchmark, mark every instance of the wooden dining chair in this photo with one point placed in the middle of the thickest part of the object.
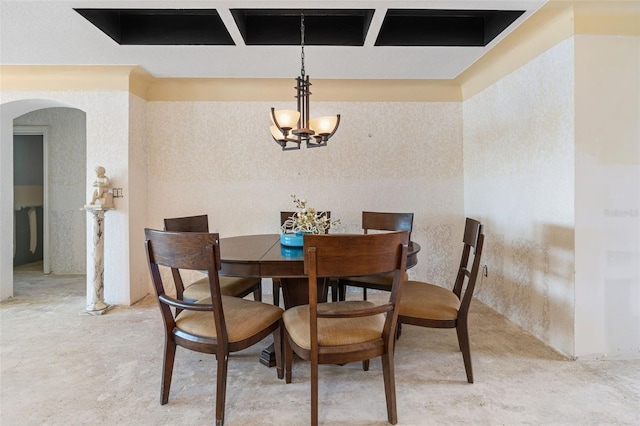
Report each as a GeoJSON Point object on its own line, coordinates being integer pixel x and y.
{"type": "Point", "coordinates": [347, 331]}
{"type": "Point", "coordinates": [217, 324]}
{"type": "Point", "coordinates": [199, 289]}
{"type": "Point", "coordinates": [429, 305]}
{"type": "Point", "coordinates": [277, 284]}
{"type": "Point", "coordinates": [377, 221]}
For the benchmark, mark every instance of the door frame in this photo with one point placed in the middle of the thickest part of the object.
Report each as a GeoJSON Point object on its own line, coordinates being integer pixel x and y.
{"type": "Point", "coordinates": [41, 131]}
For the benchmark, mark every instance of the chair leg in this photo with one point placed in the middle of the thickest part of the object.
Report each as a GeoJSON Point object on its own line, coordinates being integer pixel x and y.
{"type": "Point", "coordinates": [388, 372]}
{"type": "Point", "coordinates": [167, 371]}
{"type": "Point", "coordinates": [342, 291]}
{"type": "Point", "coordinates": [364, 293]}
{"type": "Point", "coordinates": [276, 292]}
{"type": "Point", "coordinates": [221, 388]}
{"type": "Point", "coordinates": [365, 365]}
{"type": "Point", "coordinates": [398, 330]}
{"type": "Point", "coordinates": [465, 348]}
{"type": "Point", "coordinates": [314, 392]}
{"type": "Point", "coordinates": [288, 357]}
{"type": "Point", "coordinates": [334, 289]}
{"type": "Point", "coordinates": [257, 294]}
{"type": "Point", "coordinates": [277, 346]}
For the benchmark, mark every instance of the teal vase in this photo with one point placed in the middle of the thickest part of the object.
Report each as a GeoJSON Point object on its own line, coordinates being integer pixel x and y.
{"type": "Point", "coordinates": [291, 239]}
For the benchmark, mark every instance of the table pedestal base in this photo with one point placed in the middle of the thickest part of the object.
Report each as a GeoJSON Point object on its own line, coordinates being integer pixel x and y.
{"type": "Point", "coordinates": [295, 291]}
{"type": "Point", "coordinates": [268, 356]}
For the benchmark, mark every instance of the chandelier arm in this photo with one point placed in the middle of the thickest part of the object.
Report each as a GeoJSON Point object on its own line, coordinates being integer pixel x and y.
{"type": "Point", "coordinates": [283, 143]}
{"type": "Point", "coordinates": [280, 142]}
{"type": "Point", "coordinates": [290, 148]}
{"type": "Point", "coordinates": [316, 142]}
{"type": "Point", "coordinates": [335, 128]}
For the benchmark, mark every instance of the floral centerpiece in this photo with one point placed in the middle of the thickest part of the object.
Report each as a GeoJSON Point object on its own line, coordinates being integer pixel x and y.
{"type": "Point", "coordinates": [306, 220]}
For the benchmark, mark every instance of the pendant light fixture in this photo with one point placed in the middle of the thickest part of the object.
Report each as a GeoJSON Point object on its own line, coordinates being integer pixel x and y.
{"type": "Point", "coordinates": [294, 126]}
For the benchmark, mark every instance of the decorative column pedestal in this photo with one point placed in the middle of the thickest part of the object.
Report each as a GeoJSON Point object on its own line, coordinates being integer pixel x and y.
{"type": "Point", "coordinates": [95, 283]}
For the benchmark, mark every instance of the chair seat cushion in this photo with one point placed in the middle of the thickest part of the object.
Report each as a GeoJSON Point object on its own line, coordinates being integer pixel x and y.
{"type": "Point", "coordinates": [428, 301]}
{"type": "Point", "coordinates": [378, 280]}
{"type": "Point", "coordinates": [229, 286]}
{"type": "Point", "coordinates": [244, 318]}
{"type": "Point", "coordinates": [333, 331]}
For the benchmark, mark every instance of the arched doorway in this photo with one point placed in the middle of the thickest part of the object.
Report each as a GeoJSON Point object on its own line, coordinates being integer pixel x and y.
{"type": "Point", "coordinates": [53, 114]}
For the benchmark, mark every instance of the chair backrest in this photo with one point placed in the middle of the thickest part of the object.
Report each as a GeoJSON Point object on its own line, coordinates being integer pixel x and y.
{"type": "Point", "coordinates": [354, 255]}
{"type": "Point", "coordinates": [189, 251]}
{"type": "Point", "coordinates": [468, 271]}
{"type": "Point", "coordinates": [384, 221]}
{"type": "Point", "coordinates": [198, 223]}
{"type": "Point", "coordinates": [286, 215]}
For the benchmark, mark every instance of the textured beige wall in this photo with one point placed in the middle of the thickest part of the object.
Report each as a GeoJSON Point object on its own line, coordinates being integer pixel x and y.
{"type": "Point", "coordinates": [67, 152]}
{"type": "Point", "coordinates": [108, 146]}
{"type": "Point", "coordinates": [519, 180]}
{"type": "Point", "coordinates": [218, 158]}
{"type": "Point", "coordinates": [137, 196]}
{"type": "Point", "coordinates": [215, 158]}
{"type": "Point", "coordinates": [607, 197]}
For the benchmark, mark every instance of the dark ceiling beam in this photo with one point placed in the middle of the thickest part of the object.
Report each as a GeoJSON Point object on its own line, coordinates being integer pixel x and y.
{"type": "Point", "coordinates": [281, 27]}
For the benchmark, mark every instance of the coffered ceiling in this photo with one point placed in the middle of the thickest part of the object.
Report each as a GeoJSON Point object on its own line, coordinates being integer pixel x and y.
{"type": "Point", "coordinates": [350, 39]}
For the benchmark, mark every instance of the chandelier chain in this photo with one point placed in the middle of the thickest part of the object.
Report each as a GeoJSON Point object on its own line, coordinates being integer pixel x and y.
{"type": "Point", "coordinates": [302, 43]}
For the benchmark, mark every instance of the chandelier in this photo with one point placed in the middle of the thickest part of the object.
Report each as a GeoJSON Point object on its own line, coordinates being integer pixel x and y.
{"type": "Point", "coordinates": [294, 126]}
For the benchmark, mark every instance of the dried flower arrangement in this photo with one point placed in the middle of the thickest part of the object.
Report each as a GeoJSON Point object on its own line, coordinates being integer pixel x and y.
{"type": "Point", "coordinates": [307, 219]}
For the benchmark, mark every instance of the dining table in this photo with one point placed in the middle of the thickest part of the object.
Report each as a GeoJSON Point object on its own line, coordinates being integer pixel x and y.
{"type": "Point", "coordinates": [263, 256]}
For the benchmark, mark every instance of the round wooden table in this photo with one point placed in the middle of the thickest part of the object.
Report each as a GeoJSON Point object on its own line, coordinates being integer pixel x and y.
{"type": "Point", "coordinates": [263, 256]}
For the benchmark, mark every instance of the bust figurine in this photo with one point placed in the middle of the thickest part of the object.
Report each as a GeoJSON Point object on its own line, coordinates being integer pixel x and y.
{"type": "Point", "coordinates": [102, 196]}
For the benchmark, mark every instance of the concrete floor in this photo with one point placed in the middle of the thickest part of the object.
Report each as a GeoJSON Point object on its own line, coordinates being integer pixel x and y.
{"type": "Point", "coordinates": [59, 367]}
